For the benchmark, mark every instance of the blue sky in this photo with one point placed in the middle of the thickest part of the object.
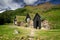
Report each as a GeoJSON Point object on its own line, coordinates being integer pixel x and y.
{"type": "Point", "coordinates": [14, 4]}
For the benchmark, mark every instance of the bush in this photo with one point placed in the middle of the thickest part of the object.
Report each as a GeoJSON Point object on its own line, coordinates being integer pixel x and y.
{"type": "Point", "coordinates": [4, 18]}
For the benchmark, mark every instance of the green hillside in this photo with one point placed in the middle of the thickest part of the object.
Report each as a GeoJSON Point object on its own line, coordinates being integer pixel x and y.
{"type": "Point", "coordinates": [51, 14]}
{"type": "Point", "coordinates": [47, 11]}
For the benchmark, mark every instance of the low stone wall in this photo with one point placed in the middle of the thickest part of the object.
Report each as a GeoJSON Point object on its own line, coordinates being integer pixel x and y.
{"type": "Point", "coordinates": [44, 24]}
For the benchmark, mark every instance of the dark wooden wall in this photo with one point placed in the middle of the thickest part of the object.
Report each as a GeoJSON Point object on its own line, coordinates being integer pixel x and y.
{"type": "Point", "coordinates": [37, 21]}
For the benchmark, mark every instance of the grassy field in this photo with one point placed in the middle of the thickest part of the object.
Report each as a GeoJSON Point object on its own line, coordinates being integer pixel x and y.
{"type": "Point", "coordinates": [48, 35]}
{"type": "Point", "coordinates": [7, 33]}
{"type": "Point", "coordinates": [52, 15]}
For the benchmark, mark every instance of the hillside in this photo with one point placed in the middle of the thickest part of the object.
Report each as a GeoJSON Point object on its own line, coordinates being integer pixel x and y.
{"type": "Point", "coordinates": [9, 31]}
{"type": "Point", "coordinates": [47, 11]}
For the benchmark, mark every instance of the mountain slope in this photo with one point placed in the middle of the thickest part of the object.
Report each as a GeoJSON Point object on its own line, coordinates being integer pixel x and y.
{"type": "Point", "coordinates": [48, 11]}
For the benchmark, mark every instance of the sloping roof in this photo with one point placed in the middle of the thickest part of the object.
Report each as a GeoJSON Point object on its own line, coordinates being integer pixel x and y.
{"type": "Point", "coordinates": [20, 18]}
{"type": "Point", "coordinates": [28, 16]}
{"type": "Point", "coordinates": [37, 15]}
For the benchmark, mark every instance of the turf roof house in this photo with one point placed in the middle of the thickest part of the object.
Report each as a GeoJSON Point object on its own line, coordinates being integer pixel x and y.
{"type": "Point", "coordinates": [19, 20]}
{"type": "Point", "coordinates": [37, 21]}
{"type": "Point", "coordinates": [15, 20]}
{"type": "Point", "coordinates": [28, 18]}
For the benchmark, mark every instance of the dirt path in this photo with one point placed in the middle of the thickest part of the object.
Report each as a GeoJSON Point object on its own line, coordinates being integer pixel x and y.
{"type": "Point", "coordinates": [31, 36]}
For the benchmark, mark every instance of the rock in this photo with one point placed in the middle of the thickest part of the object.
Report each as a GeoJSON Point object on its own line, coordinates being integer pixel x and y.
{"type": "Point", "coordinates": [31, 24]}
{"type": "Point", "coordinates": [45, 25]}
{"type": "Point", "coordinates": [15, 32]}
{"type": "Point", "coordinates": [18, 23]}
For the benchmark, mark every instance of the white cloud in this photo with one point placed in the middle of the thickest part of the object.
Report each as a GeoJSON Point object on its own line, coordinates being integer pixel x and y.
{"type": "Point", "coordinates": [30, 2]}
{"type": "Point", "coordinates": [14, 5]}
{"type": "Point", "coordinates": [47, 0]}
{"type": "Point", "coordinates": [9, 3]}
{"type": "Point", "coordinates": [2, 11]}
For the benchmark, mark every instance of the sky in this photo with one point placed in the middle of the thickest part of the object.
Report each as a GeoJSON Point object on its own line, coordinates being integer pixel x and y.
{"type": "Point", "coordinates": [14, 4]}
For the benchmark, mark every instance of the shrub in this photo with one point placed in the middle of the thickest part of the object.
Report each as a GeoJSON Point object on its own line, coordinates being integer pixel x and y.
{"type": "Point", "coordinates": [4, 18]}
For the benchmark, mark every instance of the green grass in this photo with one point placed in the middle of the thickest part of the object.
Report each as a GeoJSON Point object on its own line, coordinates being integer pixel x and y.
{"type": "Point", "coordinates": [48, 35]}
{"type": "Point", "coordinates": [6, 33]}
{"type": "Point", "coordinates": [53, 17]}
{"type": "Point", "coordinates": [20, 18]}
